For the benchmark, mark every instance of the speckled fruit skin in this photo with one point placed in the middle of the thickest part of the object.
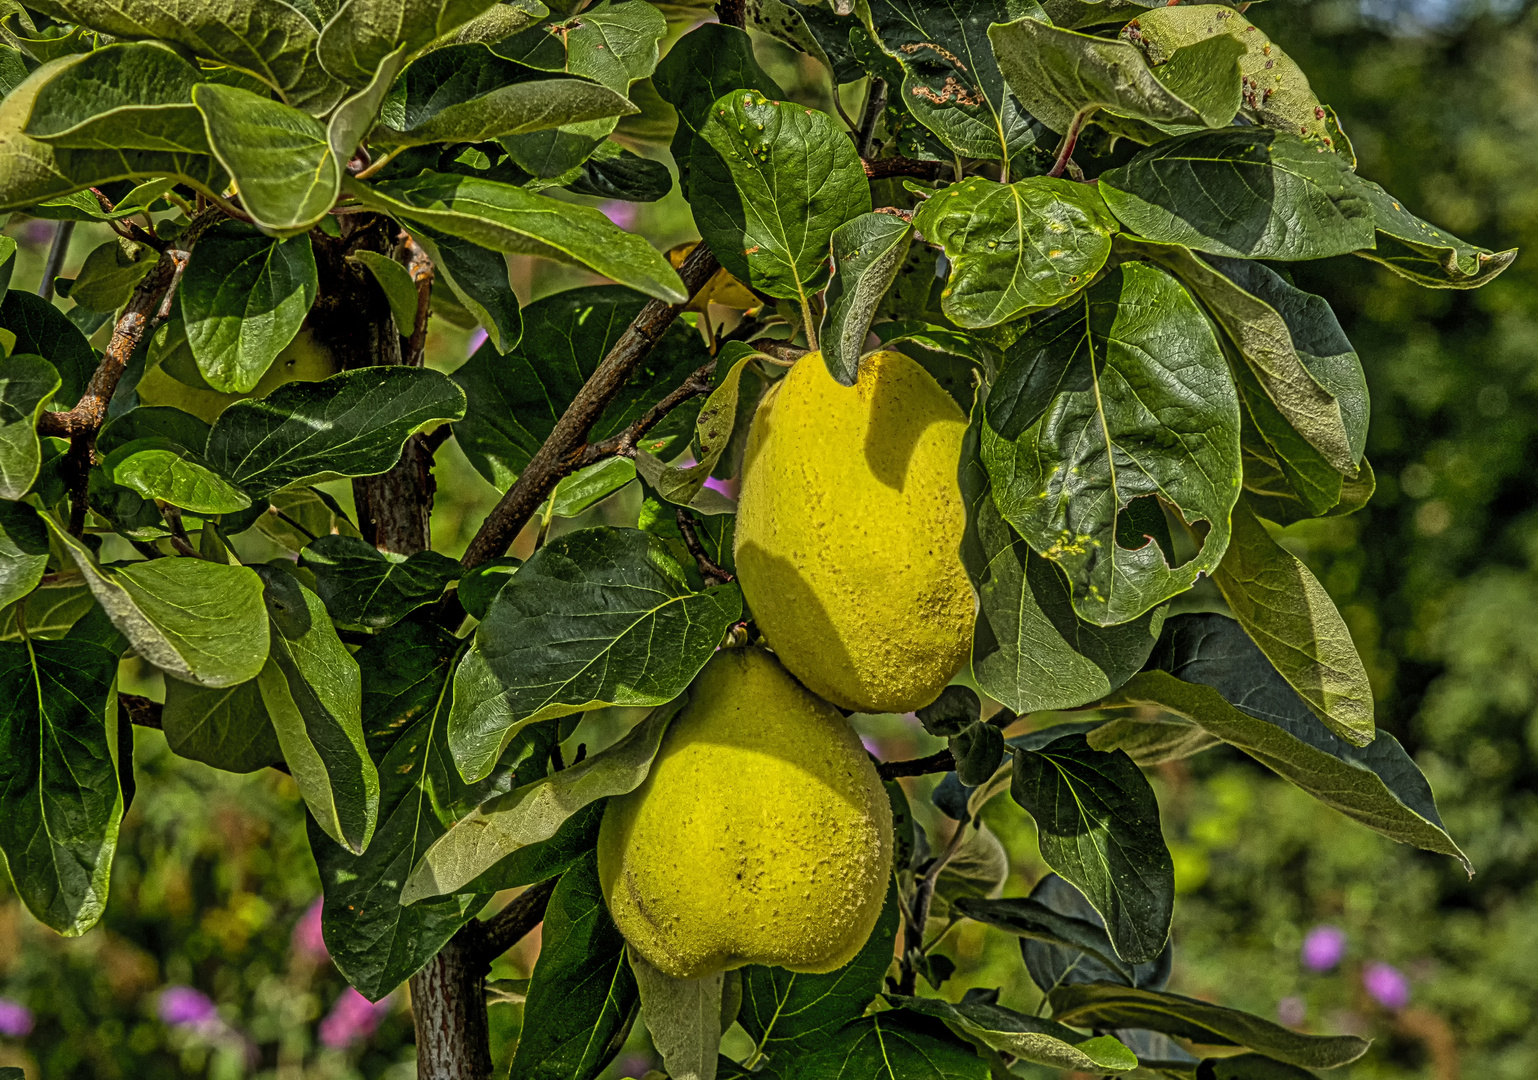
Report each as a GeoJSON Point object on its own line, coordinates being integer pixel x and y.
{"type": "Point", "coordinates": [762, 834]}
{"type": "Point", "coordinates": [849, 533]}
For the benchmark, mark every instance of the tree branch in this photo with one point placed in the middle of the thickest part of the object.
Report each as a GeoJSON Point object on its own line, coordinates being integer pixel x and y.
{"type": "Point", "coordinates": [139, 711]}
{"type": "Point", "coordinates": [881, 168]}
{"type": "Point", "coordinates": [708, 567]}
{"type": "Point", "coordinates": [421, 269]}
{"type": "Point", "coordinates": [624, 444]}
{"type": "Point", "coordinates": [875, 105]}
{"type": "Point", "coordinates": [563, 452]}
{"type": "Point", "coordinates": [507, 927]}
{"type": "Point", "coordinates": [732, 13]}
{"type": "Point", "coordinates": [934, 763]}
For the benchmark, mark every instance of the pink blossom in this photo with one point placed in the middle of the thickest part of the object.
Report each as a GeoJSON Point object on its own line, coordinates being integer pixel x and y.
{"type": "Point", "coordinates": [309, 942]}
{"type": "Point", "coordinates": [15, 1019]}
{"type": "Point", "coordinates": [182, 1006]}
{"type": "Point", "coordinates": [622, 213]}
{"type": "Point", "coordinates": [477, 339]}
{"type": "Point", "coordinates": [1323, 948]}
{"type": "Point", "coordinates": [352, 1019]}
{"type": "Point", "coordinates": [1386, 984]}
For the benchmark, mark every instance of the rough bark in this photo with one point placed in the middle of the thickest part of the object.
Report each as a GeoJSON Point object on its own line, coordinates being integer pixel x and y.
{"type": "Point", "coordinates": [448, 1006]}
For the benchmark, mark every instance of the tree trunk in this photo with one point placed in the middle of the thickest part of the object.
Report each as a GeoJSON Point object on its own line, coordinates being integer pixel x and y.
{"type": "Point", "coordinates": [448, 1003]}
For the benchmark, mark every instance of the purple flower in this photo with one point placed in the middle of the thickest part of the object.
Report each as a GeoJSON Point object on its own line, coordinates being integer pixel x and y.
{"type": "Point", "coordinates": [1323, 948]}
{"type": "Point", "coordinates": [309, 942]}
{"type": "Point", "coordinates": [1292, 1011]}
{"type": "Point", "coordinates": [1386, 984]}
{"type": "Point", "coordinates": [15, 1019]}
{"type": "Point", "coordinates": [182, 1006]}
{"type": "Point", "coordinates": [352, 1019]}
{"type": "Point", "coordinates": [623, 214]}
{"type": "Point", "coordinates": [477, 339]}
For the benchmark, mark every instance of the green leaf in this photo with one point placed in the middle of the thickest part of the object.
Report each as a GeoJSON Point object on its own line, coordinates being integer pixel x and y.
{"type": "Point", "coordinates": [951, 81]}
{"type": "Point", "coordinates": [84, 206]}
{"type": "Point", "coordinates": [587, 487]}
{"type": "Point", "coordinates": [582, 993]}
{"type": "Point", "coordinates": [790, 1014]}
{"type": "Point", "coordinates": [598, 617]}
{"type": "Point", "coordinates": [26, 385]}
{"type": "Point", "coordinates": [1149, 742]}
{"type": "Point", "coordinates": [1015, 248]}
{"type": "Point", "coordinates": [23, 551]}
{"type": "Point", "coordinates": [49, 610]}
{"type": "Point", "coordinates": [508, 219]}
{"type": "Point", "coordinates": [514, 400]}
{"type": "Point", "coordinates": [160, 470]}
{"type": "Point", "coordinates": [1423, 253]}
{"type": "Point", "coordinates": [895, 1045]}
{"type": "Point", "coordinates": [243, 298]}
{"type": "Point", "coordinates": [394, 280]}
{"type": "Point", "coordinates": [495, 23]}
{"type": "Point", "coordinates": [121, 97]}
{"type": "Point", "coordinates": [1120, 398]}
{"type": "Point", "coordinates": [1059, 74]}
{"type": "Point", "coordinates": [1250, 193]}
{"type": "Point", "coordinates": [1206, 669]}
{"type": "Point", "coordinates": [713, 432]}
{"type": "Point", "coordinates": [109, 275]}
{"type": "Point", "coordinates": [60, 800]}
{"type": "Point", "coordinates": [615, 173]}
{"type": "Point", "coordinates": [683, 1018]}
{"type": "Point", "coordinates": [1028, 1038]}
{"type": "Point", "coordinates": [312, 690]}
{"type": "Point", "coordinates": [364, 586]}
{"type": "Point", "coordinates": [1098, 822]}
{"type": "Point", "coordinates": [280, 158]}
{"type": "Point", "coordinates": [33, 171]}
{"type": "Point", "coordinates": [43, 330]}
{"type": "Point", "coordinates": [7, 262]}
{"type": "Point", "coordinates": [352, 424]}
{"type": "Point", "coordinates": [535, 812]}
{"type": "Point", "coordinates": [612, 44]}
{"type": "Point", "coordinates": [818, 30]}
{"type": "Point", "coordinates": [197, 621]}
{"type": "Point", "coordinates": [1252, 1067]}
{"type": "Point", "coordinates": [1285, 335]}
{"type": "Point", "coordinates": [466, 93]}
{"type": "Point", "coordinates": [267, 38]}
{"type": "Point", "coordinates": [373, 939]}
{"type": "Point", "coordinates": [780, 179]}
{"type": "Point", "coordinates": [153, 422]}
{"type": "Point", "coordinates": [1030, 649]}
{"type": "Point", "coordinates": [1287, 613]}
{"type": "Point", "coordinates": [868, 252]}
{"type": "Point", "coordinates": [479, 279]}
{"type": "Point", "coordinates": [227, 728]}
{"type": "Point", "coordinates": [1104, 1005]}
{"type": "Point", "coordinates": [363, 32]}
{"type": "Point", "coordinates": [711, 60]}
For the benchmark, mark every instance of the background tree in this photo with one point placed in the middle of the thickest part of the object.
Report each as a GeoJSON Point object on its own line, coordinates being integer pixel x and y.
{"type": "Point", "coordinates": [392, 507]}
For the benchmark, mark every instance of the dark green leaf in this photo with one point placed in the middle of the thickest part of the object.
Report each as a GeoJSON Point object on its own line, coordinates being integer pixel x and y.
{"type": "Point", "coordinates": [1105, 1005]}
{"type": "Point", "coordinates": [789, 1015]}
{"type": "Point", "coordinates": [582, 994]}
{"type": "Point", "coordinates": [394, 280]}
{"type": "Point", "coordinates": [267, 38]}
{"type": "Point", "coordinates": [84, 206]}
{"type": "Point", "coordinates": [363, 32]}
{"type": "Point", "coordinates": [43, 330]}
{"type": "Point", "coordinates": [312, 691]}
{"type": "Point", "coordinates": [895, 1045]}
{"type": "Point", "coordinates": [1422, 252]}
{"type": "Point", "coordinates": [227, 728]}
{"type": "Point", "coordinates": [868, 252]}
{"type": "Point", "coordinates": [1251, 193]}
{"type": "Point", "coordinates": [279, 157]}
{"type": "Point", "coordinates": [109, 275]}
{"type": "Point", "coordinates": [612, 44]}
{"type": "Point", "coordinates": [7, 261]}
{"type": "Point", "coordinates": [27, 383]}
{"type": "Point", "coordinates": [23, 551]}
{"type": "Point", "coordinates": [243, 298]}
{"type": "Point", "coordinates": [587, 487]}
{"type": "Point", "coordinates": [1015, 248]}
{"type": "Point", "coordinates": [1029, 1038]}
{"type": "Point", "coordinates": [121, 97]}
{"type": "Point", "coordinates": [1287, 613]}
{"type": "Point", "coordinates": [816, 29]}
{"type": "Point", "coordinates": [1250, 1067]}
{"type": "Point", "coordinates": [717, 421]}
{"type": "Point", "coordinates": [514, 400]}
{"type": "Point", "coordinates": [950, 79]}
{"type": "Point", "coordinates": [956, 709]}
{"type": "Point", "coordinates": [1153, 741]}
{"type": "Point", "coordinates": [1122, 396]}
{"type": "Point", "coordinates": [479, 279]}
{"type": "Point", "coordinates": [1098, 822]}
{"type": "Point", "coordinates": [780, 179]}
{"type": "Point", "coordinates": [60, 801]}
{"type": "Point", "coordinates": [620, 174]}
{"type": "Point", "coordinates": [707, 62]}
{"type": "Point", "coordinates": [506, 825]}
{"type": "Point", "coordinates": [158, 469]}
{"type": "Point", "coordinates": [978, 750]}
{"type": "Point", "coordinates": [508, 219]}
{"type": "Point", "coordinates": [1208, 670]}
{"type": "Point", "coordinates": [49, 611]}
{"type": "Point", "coordinates": [480, 586]}
{"type": "Point", "coordinates": [352, 424]}
{"type": "Point", "coordinates": [354, 117]}
{"type": "Point", "coordinates": [364, 586]}
{"type": "Point", "coordinates": [198, 621]}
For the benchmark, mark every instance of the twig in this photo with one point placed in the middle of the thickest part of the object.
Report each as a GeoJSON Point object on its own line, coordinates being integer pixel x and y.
{"type": "Point", "coordinates": [783, 351]}
{"type": "Point", "coordinates": [732, 13]}
{"type": "Point", "coordinates": [56, 255]}
{"type": "Point", "coordinates": [708, 567]}
{"type": "Point", "coordinates": [923, 897]}
{"type": "Point", "coordinates": [880, 168]}
{"type": "Point", "coordinates": [624, 444]}
{"type": "Point", "coordinates": [421, 269]}
{"type": "Point", "coordinates": [934, 763]}
{"type": "Point", "coordinates": [139, 711]}
{"type": "Point", "coordinates": [562, 452]}
{"type": "Point", "coordinates": [875, 105]}
{"type": "Point", "coordinates": [1070, 140]}
{"type": "Point", "coordinates": [507, 927]}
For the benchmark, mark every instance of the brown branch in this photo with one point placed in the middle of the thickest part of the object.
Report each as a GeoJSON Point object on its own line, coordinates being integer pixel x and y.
{"type": "Point", "coordinates": [421, 269]}
{"type": "Point", "coordinates": [732, 13]}
{"type": "Point", "coordinates": [934, 763]}
{"type": "Point", "coordinates": [875, 105]}
{"type": "Point", "coordinates": [562, 453]}
{"type": "Point", "coordinates": [881, 168]}
{"type": "Point", "coordinates": [507, 927]}
{"type": "Point", "coordinates": [624, 444]}
{"type": "Point", "coordinates": [708, 567]}
{"type": "Point", "coordinates": [139, 711]}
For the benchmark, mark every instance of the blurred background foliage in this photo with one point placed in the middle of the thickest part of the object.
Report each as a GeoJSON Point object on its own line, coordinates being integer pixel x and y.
{"type": "Point", "coordinates": [207, 966]}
